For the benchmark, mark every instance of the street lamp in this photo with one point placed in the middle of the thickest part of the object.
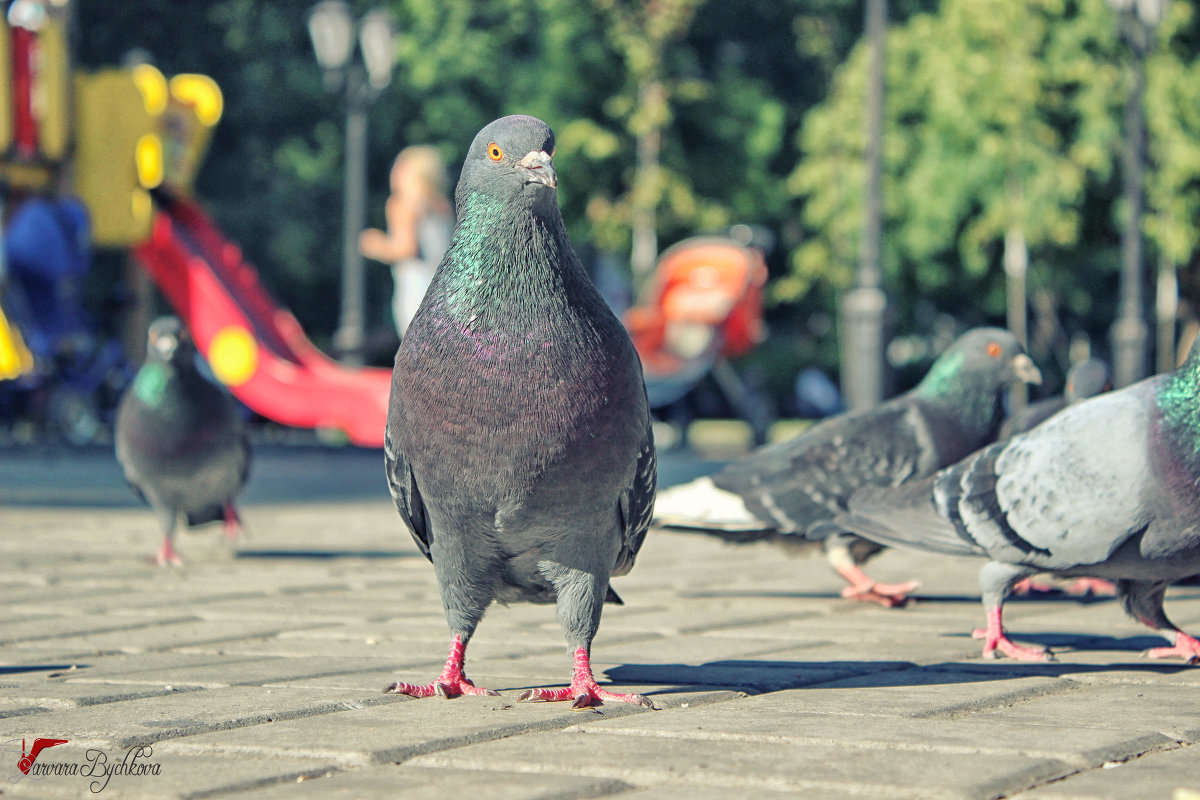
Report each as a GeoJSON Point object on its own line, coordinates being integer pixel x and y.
{"type": "Point", "coordinates": [331, 26]}
{"type": "Point", "coordinates": [1138, 18]}
{"type": "Point", "coordinates": [862, 308]}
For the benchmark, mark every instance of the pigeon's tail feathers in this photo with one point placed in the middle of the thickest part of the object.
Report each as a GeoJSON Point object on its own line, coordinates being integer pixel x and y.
{"type": "Point", "coordinates": [203, 516]}
{"type": "Point", "coordinates": [702, 506]}
{"type": "Point", "coordinates": [908, 516]}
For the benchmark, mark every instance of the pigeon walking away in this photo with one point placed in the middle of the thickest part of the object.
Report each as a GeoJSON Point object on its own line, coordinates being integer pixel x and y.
{"type": "Point", "coordinates": [1108, 487]}
{"type": "Point", "coordinates": [518, 448]}
{"type": "Point", "coordinates": [1088, 378]}
{"type": "Point", "coordinates": [179, 438]}
{"type": "Point", "coordinates": [791, 491]}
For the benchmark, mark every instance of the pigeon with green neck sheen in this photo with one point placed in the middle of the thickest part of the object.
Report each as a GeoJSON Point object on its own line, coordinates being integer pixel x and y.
{"type": "Point", "coordinates": [180, 440]}
{"type": "Point", "coordinates": [791, 491]}
{"type": "Point", "coordinates": [1108, 487]}
{"type": "Point", "coordinates": [518, 447]}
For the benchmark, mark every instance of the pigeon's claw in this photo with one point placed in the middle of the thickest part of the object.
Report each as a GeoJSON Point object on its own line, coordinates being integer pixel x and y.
{"type": "Point", "coordinates": [995, 639]}
{"type": "Point", "coordinates": [167, 556]}
{"type": "Point", "coordinates": [451, 683]}
{"type": "Point", "coordinates": [443, 687]}
{"type": "Point", "coordinates": [1185, 647]}
{"type": "Point", "coordinates": [584, 691]}
{"type": "Point", "coordinates": [888, 595]}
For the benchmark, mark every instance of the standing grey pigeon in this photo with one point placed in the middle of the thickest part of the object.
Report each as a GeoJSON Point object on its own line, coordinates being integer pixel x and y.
{"type": "Point", "coordinates": [519, 449]}
{"type": "Point", "coordinates": [179, 438]}
{"type": "Point", "coordinates": [791, 491]}
{"type": "Point", "coordinates": [1108, 487]}
{"type": "Point", "coordinates": [1088, 378]}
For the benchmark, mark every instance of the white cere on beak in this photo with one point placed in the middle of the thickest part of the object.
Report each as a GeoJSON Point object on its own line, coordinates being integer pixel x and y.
{"type": "Point", "coordinates": [539, 168]}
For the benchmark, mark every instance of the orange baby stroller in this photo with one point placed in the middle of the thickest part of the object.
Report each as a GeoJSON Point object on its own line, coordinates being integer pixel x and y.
{"type": "Point", "coordinates": [702, 307]}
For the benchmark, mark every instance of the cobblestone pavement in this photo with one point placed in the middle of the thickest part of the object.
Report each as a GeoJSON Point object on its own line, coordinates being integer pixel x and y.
{"type": "Point", "coordinates": [257, 673]}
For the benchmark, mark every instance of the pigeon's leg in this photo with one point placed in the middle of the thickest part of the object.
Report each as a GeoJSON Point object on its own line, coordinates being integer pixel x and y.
{"type": "Point", "coordinates": [464, 601]}
{"type": "Point", "coordinates": [580, 600]}
{"type": "Point", "coordinates": [889, 595]}
{"type": "Point", "coordinates": [451, 683]}
{"type": "Point", "coordinates": [168, 520]}
{"type": "Point", "coordinates": [1144, 602]}
{"type": "Point", "coordinates": [1081, 587]}
{"type": "Point", "coordinates": [996, 580]}
{"type": "Point", "coordinates": [1031, 586]}
{"type": "Point", "coordinates": [232, 523]}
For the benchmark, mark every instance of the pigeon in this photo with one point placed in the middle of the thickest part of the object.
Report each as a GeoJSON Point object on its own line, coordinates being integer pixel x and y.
{"type": "Point", "coordinates": [1109, 487]}
{"type": "Point", "coordinates": [1088, 378]}
{"type": "Point", "coordinates": [180, 439]}
{"type": "Point", "coordinates": [519, 449]}
{"type": "Point", "coordinates": [791, 491]}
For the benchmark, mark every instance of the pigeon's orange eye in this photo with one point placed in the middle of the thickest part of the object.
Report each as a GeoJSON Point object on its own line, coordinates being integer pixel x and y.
{"type": "Point", "coordinates": [494, 152]}
{"type": "Point", "coordinates": [993, 349]}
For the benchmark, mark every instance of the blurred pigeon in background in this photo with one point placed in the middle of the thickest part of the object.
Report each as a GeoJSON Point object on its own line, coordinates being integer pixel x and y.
{"type": "Point", "coordinates": [180, 439]}
{"type": "Point", "coordinates": [1108, 487]}
{"type": "Point", "coordinates": [519, 449]}
{"type": "Point", "coordinates": [791, 491]}
{"type": "Point", "coordinates": [1088, 378]}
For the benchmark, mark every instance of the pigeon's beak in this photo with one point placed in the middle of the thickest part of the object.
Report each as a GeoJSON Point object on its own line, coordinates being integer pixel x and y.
{"type": "Point", "coordinates": [165, 346]}
{"type": "Point", "coordinates": [539, 168]}
{"type": "Point", "coordinates": [1025, 370]}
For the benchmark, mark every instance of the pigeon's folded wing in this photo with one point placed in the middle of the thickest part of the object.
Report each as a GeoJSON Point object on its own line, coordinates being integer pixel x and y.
{"type": "Point", "coordinates": [406, 495]}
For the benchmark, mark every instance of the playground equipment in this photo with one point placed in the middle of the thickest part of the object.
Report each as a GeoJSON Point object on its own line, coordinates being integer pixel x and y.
{"type": "Point", "coordinates": [702, 308]}
{"type": "Point", "coordinates": [137, 140]}
{"type": "Point", "coordinates": [255, 347]}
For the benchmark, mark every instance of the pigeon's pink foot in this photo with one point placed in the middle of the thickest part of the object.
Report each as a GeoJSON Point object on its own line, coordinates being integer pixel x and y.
{"type": "Point", "coordinates": [1030, 586]}
{"type": "Point", "coordinates": [1185, 647]}
{"type": "Point", "coordinates": [584, 690]}
{"type": "Point", "coordinates": [167, 555]}
{"type": "Point", "coordinates": [994, 639]}
{"type": "Point", "coordinates": [451, 683]}
{"type": "Point", "coordinates": [232, 524]}
{"type": "Point", "coordinates": [888, 595]}
{"type": "Point", "coordinates": [1082, 587]}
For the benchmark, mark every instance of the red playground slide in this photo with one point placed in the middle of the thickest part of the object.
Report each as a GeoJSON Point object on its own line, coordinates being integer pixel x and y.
{"type": "Point", "coordinates": [255, 347]}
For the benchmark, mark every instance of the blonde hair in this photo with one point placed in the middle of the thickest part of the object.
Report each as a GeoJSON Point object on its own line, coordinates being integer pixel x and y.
{"type": "Point", "coordinates": [428, 164]}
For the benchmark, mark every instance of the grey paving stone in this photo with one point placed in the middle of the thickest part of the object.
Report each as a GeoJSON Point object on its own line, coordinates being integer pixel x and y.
{"type": "Point", "coordinates": [772, 765]}
{"type": "Point", "coordinates": [420, 783]}
{"type": "Point", "coordinates": [404, 728]}
{"type": "Point", "coordinates": [1159, 774]}
{"type": "Point", "coordinates": [1147, 708]}
{"type": "Point", "coordinates": [785, 716]}
{"type": "Point", "coordinates": [180, 713]}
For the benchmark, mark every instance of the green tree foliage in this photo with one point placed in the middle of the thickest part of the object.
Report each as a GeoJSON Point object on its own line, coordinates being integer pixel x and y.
{"type": "Point", "coordinates": [1002, 116]}
{"type": "Point", "coordinates": [999, 114]}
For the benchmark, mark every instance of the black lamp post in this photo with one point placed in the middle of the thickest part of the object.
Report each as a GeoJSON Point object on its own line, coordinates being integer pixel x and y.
{"type": "Point", "coordinates": [862, 308]}
{"type": "Point", "coordinates": [1138, 18]}
{"type": "Point", "coordinates": [332, 29]}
